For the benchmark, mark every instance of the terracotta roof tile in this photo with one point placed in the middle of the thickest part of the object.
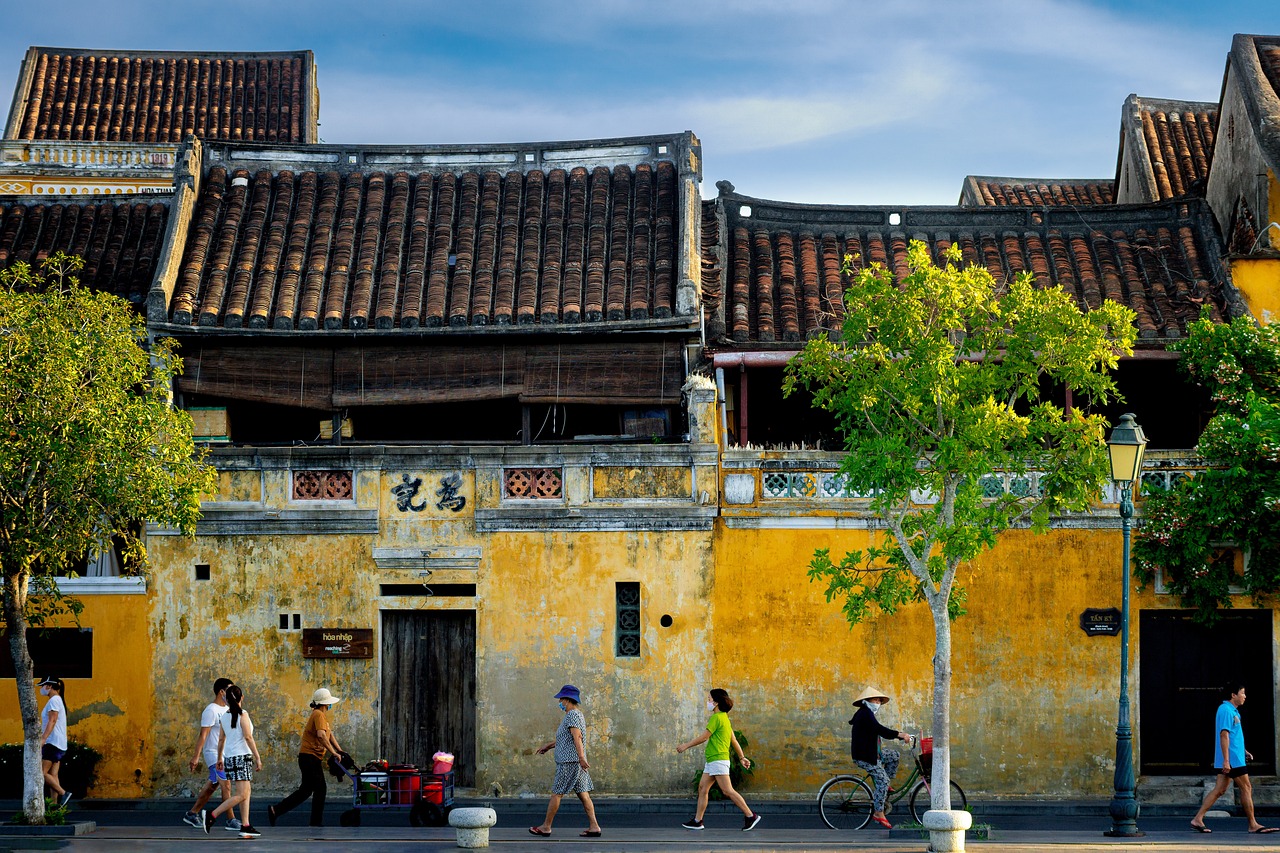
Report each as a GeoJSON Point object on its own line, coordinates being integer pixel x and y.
{"type": "Point", "coordinates": [1166, 149]}
{"type": "Point", "coordinates": [429, 247]}
{"type": "Point", "coordinates": [140, 96]}
{"type": "Point", "coordinates": [782, 261]}
{"type": "Point", "coordinates": [120, 240]}
{"type": "Point", "coordinates": [981, 191]}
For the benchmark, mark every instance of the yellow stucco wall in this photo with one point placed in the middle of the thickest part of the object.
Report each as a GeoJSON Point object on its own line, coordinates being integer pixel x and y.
{"type": "Point", "coordinates": [1034, 698]}
{"type": "Point", "coordinates": [545, 608]}
{"type": "Point", "coordinates": [1258, 278]}
{"type": "Point", "coordinates": [113, 710]}
{"type": "Point", "coordinates": [549, 609]}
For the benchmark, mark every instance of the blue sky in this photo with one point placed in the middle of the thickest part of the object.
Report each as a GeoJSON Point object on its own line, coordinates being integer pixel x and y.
{"type": "Point", "coordinates": [889, 102]}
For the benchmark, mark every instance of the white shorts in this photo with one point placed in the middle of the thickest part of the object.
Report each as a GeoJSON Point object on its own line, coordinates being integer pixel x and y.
{"type": "Point", "coordinates": [716, 768]}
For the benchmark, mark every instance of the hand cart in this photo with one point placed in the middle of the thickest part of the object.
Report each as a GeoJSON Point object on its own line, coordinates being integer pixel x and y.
{"type": "Point", "coordinates": [428, 797]}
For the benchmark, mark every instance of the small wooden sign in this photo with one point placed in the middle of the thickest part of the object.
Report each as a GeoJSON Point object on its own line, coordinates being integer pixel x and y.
{"type": "Point", "coordinates": [337, 642]}
{"type": "Point", "coordinates": [1101, 622]}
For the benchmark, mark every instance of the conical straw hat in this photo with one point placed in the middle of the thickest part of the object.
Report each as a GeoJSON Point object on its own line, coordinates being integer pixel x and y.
{"type": "Point", "coordinates": [871, 693]}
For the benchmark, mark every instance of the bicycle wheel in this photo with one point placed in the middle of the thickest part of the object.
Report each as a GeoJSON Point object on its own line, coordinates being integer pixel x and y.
{"type": "Point", "coordinates": [920, 800]}
{"type": "Point", "coordinates": [844, 803]}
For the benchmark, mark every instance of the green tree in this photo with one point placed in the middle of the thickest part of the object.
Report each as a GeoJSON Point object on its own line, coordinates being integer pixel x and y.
{"type": "Point", "coordinates": [90, 446]}
{"type": "Point", "coordinates": [1236, 501]}
{"type": "Point", "coordinates": [937, 384]}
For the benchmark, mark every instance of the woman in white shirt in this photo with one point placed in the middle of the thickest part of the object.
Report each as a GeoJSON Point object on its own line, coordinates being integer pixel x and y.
{"type": "Point", "coordinates": [237, 757]}
{"type": "Point", "coordinates": [53, 722]}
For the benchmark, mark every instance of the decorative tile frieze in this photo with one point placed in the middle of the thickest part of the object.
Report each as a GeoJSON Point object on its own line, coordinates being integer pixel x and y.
{"type": "Point", "coordinates": [322, 486]}
{"type": "Point", "coordinates": [808, 485]}
{"type": "Point", "coordinates": [533, 484]}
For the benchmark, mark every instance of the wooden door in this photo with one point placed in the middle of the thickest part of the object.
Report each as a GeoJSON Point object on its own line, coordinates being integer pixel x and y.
{"type": "Point", "coordinates": [1184, 668]}
{"type": "Point", "coordinates": [429, 688]}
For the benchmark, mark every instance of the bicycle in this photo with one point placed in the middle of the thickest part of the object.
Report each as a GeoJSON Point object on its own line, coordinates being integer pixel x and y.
{"type": "Point", "coordinates": [844, 801]}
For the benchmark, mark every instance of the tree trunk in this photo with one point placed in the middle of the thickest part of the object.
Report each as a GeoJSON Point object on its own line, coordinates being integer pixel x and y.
{"type": "Point", "coordinates": [15, 620]}
{"type": "Point", "coordinates": [941, 783]}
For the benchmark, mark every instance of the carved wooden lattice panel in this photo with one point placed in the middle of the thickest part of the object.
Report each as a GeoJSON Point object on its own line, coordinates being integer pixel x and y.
{"type": "Point", "coordinates": [533, 483]}
{"type": "Point", "coordinates": [322, 486]}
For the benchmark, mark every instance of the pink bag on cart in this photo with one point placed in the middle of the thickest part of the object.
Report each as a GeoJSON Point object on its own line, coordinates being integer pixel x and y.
{"type": "Point", "coordinates": [442, 762]}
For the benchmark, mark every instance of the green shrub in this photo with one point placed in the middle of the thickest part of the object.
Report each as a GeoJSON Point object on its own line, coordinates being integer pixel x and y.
{"type": "Point", "coordinates": [737, 773]}
{"type": "Point", "coordinates": [54, 814]}
{"type": "Point", "coordinates": [77, 772]}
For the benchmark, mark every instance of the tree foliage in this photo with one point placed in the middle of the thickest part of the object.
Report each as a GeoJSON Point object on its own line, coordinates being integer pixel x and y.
{"type": "Point", "coordinates": [1236, 502]}
{"type": "Point", "coordinates": [938, 385]}
{"type": "Point", "coordinates": [90, 447]}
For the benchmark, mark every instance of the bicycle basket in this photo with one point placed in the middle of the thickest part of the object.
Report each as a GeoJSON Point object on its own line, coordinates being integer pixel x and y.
{"type": "Point", "coordinates": [925, 758]}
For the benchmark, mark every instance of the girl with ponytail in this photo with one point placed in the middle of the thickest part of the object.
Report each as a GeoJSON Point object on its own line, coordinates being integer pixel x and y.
{"type": "Point", "coordinates": [238, 757]}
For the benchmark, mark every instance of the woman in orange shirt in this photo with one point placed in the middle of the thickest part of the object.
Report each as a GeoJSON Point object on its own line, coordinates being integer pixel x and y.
{"type": "Point", "coordinates": [317, 740]}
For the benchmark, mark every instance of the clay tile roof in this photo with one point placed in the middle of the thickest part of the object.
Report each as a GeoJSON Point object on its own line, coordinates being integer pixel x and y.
{"type": "Point", "coordinates": [1165, 149]}
{"type": "Point", "coordinates": [534, 237]}
{"type": "Point", "coordinates": [781, 262]}
{"type": "Point", "coordinates": [164, 96]}
{"type": "Point", "coordinates": [981, 191]}
{"type": "Point", "coordinates": [120, 240]}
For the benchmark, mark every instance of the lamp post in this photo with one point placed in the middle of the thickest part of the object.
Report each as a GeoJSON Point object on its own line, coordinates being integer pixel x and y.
{"type": "Point", "coordinates": [1125, 447]}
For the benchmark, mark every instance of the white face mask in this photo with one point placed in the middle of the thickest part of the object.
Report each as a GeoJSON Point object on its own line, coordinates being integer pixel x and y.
{"type": "Point", "coordinates": [44, 691]}
{"type": "Point", "coordinates": [711, 706]}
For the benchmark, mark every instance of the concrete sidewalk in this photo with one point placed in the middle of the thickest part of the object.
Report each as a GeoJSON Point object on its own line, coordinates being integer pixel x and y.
{"type": "Point", "coordinates": [121, 839]}
{"type": "Point", "coordinates": [635, 824]}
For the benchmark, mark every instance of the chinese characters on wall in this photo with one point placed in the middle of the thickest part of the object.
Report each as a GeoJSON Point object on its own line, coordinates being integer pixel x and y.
{"type": "Point", "coordinates": [407, 490]}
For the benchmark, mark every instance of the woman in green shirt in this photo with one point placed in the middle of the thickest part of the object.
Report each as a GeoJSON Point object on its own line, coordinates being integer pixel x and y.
{"type": "Point", "coordinates": [719, 738]}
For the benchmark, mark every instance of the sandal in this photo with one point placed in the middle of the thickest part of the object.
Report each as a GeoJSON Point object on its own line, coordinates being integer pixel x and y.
{"type": "Point", "coordinates": [1200, 827]}
{"type": "Point", "coordinates": [589, 834]}
{"type": "Point", "coordinates": [882, 821]}
{"type": "Point", "coordinates": [539, 831]}
{"type": "Point", "coordinates": [1263, 830]}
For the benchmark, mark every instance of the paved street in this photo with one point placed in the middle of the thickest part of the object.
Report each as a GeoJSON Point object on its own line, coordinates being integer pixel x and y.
{"type": "Point", "coordinates": [648, 825]}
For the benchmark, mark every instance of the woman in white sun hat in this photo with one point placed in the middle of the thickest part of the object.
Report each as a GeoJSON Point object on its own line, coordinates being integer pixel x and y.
{"type": "Point", "coordinates": [317, 742]}
{"type": "Point", "coordinates": [864, 747]}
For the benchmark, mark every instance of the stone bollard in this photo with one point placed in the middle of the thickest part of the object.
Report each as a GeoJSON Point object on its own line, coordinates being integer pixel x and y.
{"type": "Point", "coordinates": [946, 830]}
{"type": "Point", "coordinates": [473, 826]}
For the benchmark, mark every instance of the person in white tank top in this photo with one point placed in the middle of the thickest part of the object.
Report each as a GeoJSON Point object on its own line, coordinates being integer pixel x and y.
{"type": "Point", "coordinates": [238, 757]}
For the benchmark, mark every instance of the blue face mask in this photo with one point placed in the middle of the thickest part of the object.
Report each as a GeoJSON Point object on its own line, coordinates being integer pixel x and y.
{"type": "Point", "coordinates": [560, 705]}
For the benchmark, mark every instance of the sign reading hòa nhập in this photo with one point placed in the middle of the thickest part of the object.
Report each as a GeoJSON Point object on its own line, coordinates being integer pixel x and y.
{"type": "Point", "coordinates": [337, 642]}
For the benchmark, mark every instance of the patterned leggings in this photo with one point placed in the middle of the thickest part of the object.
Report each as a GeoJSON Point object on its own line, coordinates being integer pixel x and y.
{"type": "Point", "coordinates": [881, 774]}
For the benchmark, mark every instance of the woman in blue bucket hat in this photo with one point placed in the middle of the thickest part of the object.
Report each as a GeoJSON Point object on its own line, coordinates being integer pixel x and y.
{"type": "Point", "coordinates": [571, 764]}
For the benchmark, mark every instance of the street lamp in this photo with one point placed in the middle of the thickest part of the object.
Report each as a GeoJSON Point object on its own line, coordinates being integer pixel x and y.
{"type": "Point", "coordinates": [1125, 447]}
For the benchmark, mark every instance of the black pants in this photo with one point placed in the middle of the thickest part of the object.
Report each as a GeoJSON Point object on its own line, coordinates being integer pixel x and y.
{"type": "Point", "coordinates": [313, 785]}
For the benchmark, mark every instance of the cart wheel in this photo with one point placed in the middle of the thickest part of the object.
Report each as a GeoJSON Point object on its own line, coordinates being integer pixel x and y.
{"type": "Point", "coordinates": [429, 814]}
{"type": "Point", "coordinates": [444, 815]}
{"type": "Point", "coordinates": [416, 816]}
{"type": "Point", "coordinates": [350, 817]}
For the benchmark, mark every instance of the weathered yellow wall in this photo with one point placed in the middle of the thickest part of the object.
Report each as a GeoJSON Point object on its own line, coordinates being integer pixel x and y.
{"type": "Point", "coordinates": [545, 609]}
{"type": "Point", "coordinates": [1034, 698]}
{"type": "Point", "coordinates": [549, 606]}
{"type": "Point", "coordinates": [228, 626]}
{"type": "Point", "coordinates": [112, 711]}
{"type": "Point", "coordinates": [1258, 278]}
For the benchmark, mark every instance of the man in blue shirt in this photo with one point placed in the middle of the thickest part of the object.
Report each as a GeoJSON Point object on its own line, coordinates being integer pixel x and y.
{"type": "Point", "coordinates": [1230, 759]}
